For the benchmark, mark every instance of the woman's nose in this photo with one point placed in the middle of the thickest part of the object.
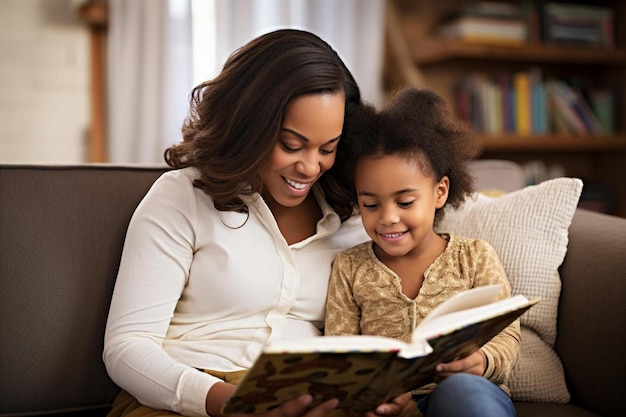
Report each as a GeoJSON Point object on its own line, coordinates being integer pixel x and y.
{"type": "Point", "coordinates": [309, 165]}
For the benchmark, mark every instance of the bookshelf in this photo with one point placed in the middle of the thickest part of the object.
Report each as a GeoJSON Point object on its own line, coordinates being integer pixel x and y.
{"type": "Point", "coordinates": [554, 143]}
{"type": "Point", "coordinates": [433, 51]}
{"type": "Point", "coordinates": [415, 55]}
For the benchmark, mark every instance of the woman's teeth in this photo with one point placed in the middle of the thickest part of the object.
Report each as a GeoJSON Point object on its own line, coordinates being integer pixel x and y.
{"type": "Point", "coordinates": [296, 185]}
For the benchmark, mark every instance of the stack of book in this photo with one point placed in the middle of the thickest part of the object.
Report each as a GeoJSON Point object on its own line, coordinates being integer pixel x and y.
{"type": "Point", "coordinates": [514, 103]}
{"type": "Point", "coordinates": [570, 111]}
{"type": "Point", "coordinates": [486, 22]}
{"type": "Point", "coordinates": [522, 103]}
{"type": "Point", "coordinates": [579, 24]}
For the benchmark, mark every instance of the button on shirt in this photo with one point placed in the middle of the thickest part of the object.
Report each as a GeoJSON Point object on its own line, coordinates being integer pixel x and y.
{"type": "Point", "coordinates": [202, 288]}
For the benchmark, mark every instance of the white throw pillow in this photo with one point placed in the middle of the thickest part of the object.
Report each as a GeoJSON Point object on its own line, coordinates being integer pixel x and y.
{"type": "Point", "coordinates": [528, 228]}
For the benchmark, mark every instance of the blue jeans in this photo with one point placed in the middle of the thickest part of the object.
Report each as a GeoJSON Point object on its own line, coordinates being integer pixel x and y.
{"type": "Point", "coordinates": [466, 395]}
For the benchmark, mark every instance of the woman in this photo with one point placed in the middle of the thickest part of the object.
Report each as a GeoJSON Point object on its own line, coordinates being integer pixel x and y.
{"type": "Point", "coordinates": [233, 248]}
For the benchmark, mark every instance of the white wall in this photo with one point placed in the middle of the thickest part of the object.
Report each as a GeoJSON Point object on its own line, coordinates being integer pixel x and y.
{"type": "Point", "coordinates": [44, 82]}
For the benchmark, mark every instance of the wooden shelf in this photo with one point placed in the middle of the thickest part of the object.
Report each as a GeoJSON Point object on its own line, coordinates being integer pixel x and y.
{"type": "Point", "coordinates": [435, 50]}
{"type": "Point", "coordinates": [553, 143]}
{"type": "Point", "coordinates": [415, 56]}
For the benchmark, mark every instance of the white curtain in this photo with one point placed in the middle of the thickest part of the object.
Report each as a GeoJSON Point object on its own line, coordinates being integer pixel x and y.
{"type": "Point", "coordinates": [354, 28]}
{"type": "Point", "coordinates": [149, 77]}
{"type": "Point", "coordinates": [154, 62]}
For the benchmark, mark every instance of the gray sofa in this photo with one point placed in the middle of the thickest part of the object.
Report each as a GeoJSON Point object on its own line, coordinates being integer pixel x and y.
{"type": "Point", "coordinates": [61, 234]}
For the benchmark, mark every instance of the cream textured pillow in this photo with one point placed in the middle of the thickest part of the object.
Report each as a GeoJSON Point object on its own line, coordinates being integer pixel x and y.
{"type": "Point", "coordinates": [528, 229]}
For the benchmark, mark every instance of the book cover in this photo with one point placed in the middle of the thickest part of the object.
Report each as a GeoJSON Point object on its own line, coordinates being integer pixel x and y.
{"type": "Point", "coordinates": [492, 9]}
{"type": "Point", "coordinates": [480, 29]}
{"type": "Point", "coordinates": [365, 371]}
{"type": "Point", "coordinates": [579, 24]}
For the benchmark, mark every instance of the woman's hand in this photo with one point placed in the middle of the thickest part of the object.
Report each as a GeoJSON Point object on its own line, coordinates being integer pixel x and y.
{"type": "Point", "coordinates": [474, 363]}
{"type": "Point", "coordinates": [297, 407]}
{"type": "Point", "coordinates": [397, 406]}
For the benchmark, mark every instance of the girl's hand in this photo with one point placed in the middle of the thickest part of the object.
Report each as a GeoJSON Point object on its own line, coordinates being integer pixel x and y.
{"type": "Point", "coordinates": [474, 363]}
{"type": "Point", "coordinates": [401, 405]}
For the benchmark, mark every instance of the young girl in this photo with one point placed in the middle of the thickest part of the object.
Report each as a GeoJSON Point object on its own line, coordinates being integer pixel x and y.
{"type": "Point", "coordinates": [409, 163]}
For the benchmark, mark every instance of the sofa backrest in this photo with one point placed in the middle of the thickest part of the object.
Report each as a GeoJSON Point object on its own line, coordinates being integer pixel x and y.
{"type": "Point", "coordinates": [61, 234]}
{"type": "Point", "coordinates": [590, 333]}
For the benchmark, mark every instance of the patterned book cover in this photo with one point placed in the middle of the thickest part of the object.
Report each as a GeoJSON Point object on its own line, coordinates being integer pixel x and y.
{"type": "Point", "coordinates": [361, 378]}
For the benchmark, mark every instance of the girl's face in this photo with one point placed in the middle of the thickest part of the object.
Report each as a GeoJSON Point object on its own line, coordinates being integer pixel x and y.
{"type": "Point", "coordinates": [398, 202]}
{"type": "Point", "coordinates": [306, 148]}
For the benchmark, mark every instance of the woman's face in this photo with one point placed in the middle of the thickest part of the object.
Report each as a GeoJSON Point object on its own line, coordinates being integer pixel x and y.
{"type": "Point", "coordinates": [306, 147]}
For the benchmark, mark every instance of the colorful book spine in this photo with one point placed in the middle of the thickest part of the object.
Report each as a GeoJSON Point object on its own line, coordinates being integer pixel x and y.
{"type": "Point", "coordinates": [506, 104]}
{"type": "Point", "coordinates": [603, 105]}
{"type": "Point", "coordinates": [564, 112]}
{"type": "Point", "coordinates": [539, 121]}
{"type": "Point", "coordinates": [521, 82]}
{"type": "Point", "coordinates": [575, 100]}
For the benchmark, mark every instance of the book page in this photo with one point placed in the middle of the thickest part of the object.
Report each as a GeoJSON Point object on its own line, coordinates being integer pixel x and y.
{"type": "Point", "coordinates": [459, 319]}
{"type": "Point", "coordinates": [467, 334]}
{"type": "Point", "coordinates": [471, 298]}
{"type": "Point", "coordinates": [361, 343]}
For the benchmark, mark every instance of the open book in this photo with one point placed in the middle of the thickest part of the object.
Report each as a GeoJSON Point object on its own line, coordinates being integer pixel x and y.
{"type": "Point", "coordinates": [365, 371]}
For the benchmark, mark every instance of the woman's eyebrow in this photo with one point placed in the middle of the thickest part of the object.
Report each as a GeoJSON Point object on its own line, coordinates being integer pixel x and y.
{"type": "Point", "coordinates": [304, 138]}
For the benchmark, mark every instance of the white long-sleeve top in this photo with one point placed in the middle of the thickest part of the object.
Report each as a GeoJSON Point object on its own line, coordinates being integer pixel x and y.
{"type": "Point", "coordinates": [202, 288]}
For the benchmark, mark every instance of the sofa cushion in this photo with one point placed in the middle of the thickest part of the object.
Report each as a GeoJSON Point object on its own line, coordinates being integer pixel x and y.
{"type": "Point", "coordinates": [528, 228]}
{"type": "Point", "coordinates": [529, 409]}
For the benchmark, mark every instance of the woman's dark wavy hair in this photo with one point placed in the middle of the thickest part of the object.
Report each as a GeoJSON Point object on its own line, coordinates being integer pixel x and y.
{"type": "Point", "coordinates": [235, 118]}
{"type": "Point", "coordinates": [416, 124]}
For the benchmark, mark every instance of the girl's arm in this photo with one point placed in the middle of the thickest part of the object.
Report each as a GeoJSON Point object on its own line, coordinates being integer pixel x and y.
{"type": "Point", "coordinates": [343, 315]}
{"type": "Point", "coordinates": [497, 357]}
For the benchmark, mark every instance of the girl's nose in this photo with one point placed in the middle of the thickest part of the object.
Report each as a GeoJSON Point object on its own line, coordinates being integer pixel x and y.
{"type": "Point", "coordinates": [389, 215]}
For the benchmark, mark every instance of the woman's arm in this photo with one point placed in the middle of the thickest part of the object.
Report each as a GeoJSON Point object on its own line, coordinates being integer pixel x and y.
{"type": "Point", "coordinates": [157, 255]}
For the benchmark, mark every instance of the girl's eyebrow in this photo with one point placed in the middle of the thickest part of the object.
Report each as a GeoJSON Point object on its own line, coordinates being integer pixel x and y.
{"type": "Point", "coordinates": [396, 193]}
{"type": "Point", "coordinates": [304, 138]}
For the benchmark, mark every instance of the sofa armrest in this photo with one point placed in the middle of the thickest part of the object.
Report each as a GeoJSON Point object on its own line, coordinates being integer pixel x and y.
{"type": "Point", "coordinates": [592, 309]}
{"type": "Point", "coordinates": [62, 230]}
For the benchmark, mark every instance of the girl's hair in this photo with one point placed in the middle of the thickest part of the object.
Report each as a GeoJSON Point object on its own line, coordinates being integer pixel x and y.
{"type": "Point", "coordinates": [235, 118]}
{"type": "Point", "coordinates": [417, 124]}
